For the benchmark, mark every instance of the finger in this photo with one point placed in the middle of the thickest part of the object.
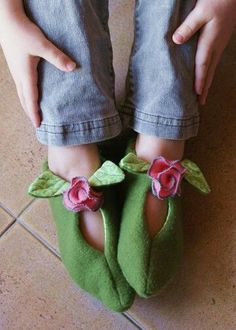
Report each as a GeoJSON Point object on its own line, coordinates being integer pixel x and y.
{"type": "Point", "coordinates": [210, 76]}
{"type": "Point", "coordinates": [30, 92]}
{"type": "Point", "coordinates": [21, 96]}
{"type": "Point", "coordinates": [211, 72]}
{"type": "Point", "coordinates": [52, 54]}
{"type": "Point", "coordinates": [202, 64]}
{"type": "Point", "coordinates": [35, 122]}
{"type": "Point", "coordinates": [202, 98]}
{"type": "Point", "coordinates": [203, 57]}
{"type": "Point", "coordinates": [189, 27]}
{"type": "Point", "coordinates": [208, 50]}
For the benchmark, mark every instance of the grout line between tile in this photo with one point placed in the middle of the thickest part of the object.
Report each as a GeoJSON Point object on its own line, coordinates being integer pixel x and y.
{"type": "Point", "coordinates": [55, 253]}
{"type": "Point", "coordinates": [133, 321]}
{"type": "Point", "coordinates": [26, 207]}
{"type": "Point", "coordinates": [42, 241]}
{"type": "Point", "coordinates": [39, 238]}
{"type": "Point", "coordinates": [8, 227]}
{"type": "Point", "coordinates": [17, 220]}
{"type": "Point", "coordinates": [6, 209]}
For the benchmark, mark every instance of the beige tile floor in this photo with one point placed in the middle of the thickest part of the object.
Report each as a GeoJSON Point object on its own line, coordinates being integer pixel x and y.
{"type": "Point", "coordinates": [35, 291]}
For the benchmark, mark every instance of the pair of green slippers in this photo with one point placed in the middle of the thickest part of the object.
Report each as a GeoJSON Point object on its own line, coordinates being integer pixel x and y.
{"type": "Point", "coordinates": [131, 262]}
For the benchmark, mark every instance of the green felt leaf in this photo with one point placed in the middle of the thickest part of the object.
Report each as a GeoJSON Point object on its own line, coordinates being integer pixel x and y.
{"type": "Point", "coordinates": [133, 164]}
{"type": "Point", "coordinates": [47, 185]}
{"type": "Point", "coordinates": [45, 165]}
{"type": "Point", "coordinates": [195, 177]}
{"type": "Point", "coordinates": [108, 174]}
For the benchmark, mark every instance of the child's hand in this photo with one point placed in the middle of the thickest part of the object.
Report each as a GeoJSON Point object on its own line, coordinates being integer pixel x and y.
{"type": "Point", "coordinates": [216, 19]}
{"type": "Point", "coordinates": [23, 44]}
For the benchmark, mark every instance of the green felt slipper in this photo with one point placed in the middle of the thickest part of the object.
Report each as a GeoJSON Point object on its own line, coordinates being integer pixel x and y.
{"type": "Point", "coordinates": [96, 272]}
{"type": "Point", "coordinates": [149, 264]}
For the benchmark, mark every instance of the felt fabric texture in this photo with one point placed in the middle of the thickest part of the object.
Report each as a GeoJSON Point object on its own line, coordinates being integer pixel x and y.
{"type": "Point", "coordinates": [148, 264]}
{"type": "Point", "coordinates": [80, 196]}
{"type": "Point", "coordinates": [108, 174]}
{"type": "Point", "coordinates": [98, 273]}
{"type": "Point", "coordinates": [195, 177]}
{"type": "Point", "coordinates": [193, 174]}
{"type": "Point", "coordinates": [166, 177]}
{"type": "Point", "coordinates": [47, 184]}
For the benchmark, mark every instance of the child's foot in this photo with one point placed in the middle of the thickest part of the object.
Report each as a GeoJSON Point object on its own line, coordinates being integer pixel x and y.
{"type": "Point", "coordinates": [83, 160]}
{"type": "Point", "coordinates": [148, 148]}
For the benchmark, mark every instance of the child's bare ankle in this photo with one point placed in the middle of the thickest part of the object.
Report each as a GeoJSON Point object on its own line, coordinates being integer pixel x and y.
{"type": "Point", "coordinates": [70, 161]}
{"type": "Point", "coordinates": [83, 160]}
{"type": "Point", "coordinates": [149, 147]}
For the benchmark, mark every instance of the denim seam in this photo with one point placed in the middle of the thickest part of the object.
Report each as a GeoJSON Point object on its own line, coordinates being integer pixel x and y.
{"type": "Point", "coordinates": [113, 119]}
{"type": "Point", "coordinates": [72, 138]}
{"type": "Point", "coordinates": [195, 120]}
{"type": "Point", "coordinates": [80, 130]}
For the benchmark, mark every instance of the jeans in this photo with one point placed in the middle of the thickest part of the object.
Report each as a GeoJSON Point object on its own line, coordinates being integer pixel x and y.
{"type": "Point", "coordinates": [79, 107]}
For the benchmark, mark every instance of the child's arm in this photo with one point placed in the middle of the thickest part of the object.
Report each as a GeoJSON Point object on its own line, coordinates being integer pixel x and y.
{"type": "Point", "coordinates": [23, 44]}
{"type": "Point", "coordinates": [216, 19]}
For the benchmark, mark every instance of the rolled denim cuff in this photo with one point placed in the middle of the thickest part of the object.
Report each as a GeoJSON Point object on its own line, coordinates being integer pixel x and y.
{"type": "Point", "coordinates": [79, 133]}
{"type": "Point", "coordinates": [162, 127]}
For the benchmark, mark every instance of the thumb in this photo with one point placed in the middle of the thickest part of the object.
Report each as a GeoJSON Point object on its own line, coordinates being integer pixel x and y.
{"type": "Point", "coordinates": [189, 27]}
{"type": "Point", "coordinates": [55, 56]}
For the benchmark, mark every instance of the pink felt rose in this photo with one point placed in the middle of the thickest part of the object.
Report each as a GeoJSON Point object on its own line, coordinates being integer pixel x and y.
{"type": "Point", "coordinates": [80, 196]}
{"type": "Point", "coordinates": [166, 177]}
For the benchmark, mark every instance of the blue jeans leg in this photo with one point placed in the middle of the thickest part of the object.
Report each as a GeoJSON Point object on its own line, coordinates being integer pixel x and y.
{"type": "Point", "coordinates": [77, 107]}
{"type": "Point", "coordinates": [160, 97]}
